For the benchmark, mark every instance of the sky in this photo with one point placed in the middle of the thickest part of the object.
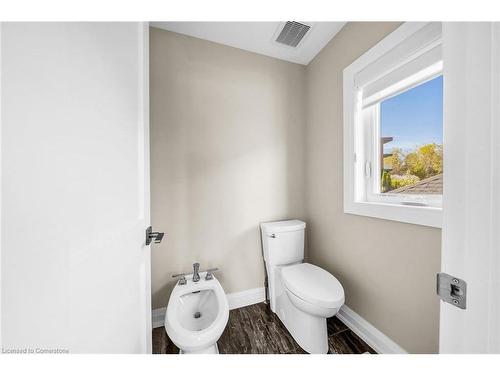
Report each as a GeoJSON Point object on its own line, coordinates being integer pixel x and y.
{"type": "Point", "coordinates": [415, 117]}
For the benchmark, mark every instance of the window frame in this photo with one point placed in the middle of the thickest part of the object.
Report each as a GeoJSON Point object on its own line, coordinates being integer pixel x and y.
{"type": "Point", "coordinates": [360, 140]}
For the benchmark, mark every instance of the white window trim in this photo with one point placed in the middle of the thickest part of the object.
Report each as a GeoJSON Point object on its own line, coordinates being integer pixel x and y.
{"type": "Point", "coordinates": [354, 193]}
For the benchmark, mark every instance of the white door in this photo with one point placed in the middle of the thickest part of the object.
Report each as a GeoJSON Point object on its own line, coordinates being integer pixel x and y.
{"type": "Point", "coordinates": [471, 222]}
{"type": "Point", "coordinates": [75, 187]}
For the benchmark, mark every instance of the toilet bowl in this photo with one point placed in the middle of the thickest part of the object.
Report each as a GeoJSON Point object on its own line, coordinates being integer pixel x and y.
{"type": "Point", "coordinates": [312, 295]}
{"type": "Point", "coordinates": [312, 289]}
{"type": "Point", "coordinates": [196, 316]}
{"type": "Point", "coordinates": [301, 294]}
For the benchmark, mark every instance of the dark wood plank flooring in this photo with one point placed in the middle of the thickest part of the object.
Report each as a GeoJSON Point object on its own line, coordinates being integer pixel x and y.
{"type": "Point", "coordinates": [256, 329]}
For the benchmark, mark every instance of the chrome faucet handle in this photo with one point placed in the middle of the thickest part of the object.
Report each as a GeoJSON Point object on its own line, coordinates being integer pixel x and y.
{"type": "Point", "coordinates": [196, 269]}
{"type": "Point", "coordinates": [210, 273]}
{"type": "Point", "coordinates": [182, 278]}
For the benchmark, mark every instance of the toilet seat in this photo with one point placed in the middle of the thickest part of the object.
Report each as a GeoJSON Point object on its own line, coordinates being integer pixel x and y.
{"type": "Point", "coordinates": [313, 285]}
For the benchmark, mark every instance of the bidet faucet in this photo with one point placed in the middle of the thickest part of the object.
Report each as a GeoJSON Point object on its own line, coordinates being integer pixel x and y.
{"type": "Point", "coordinates": [196, 275]}
{"type": "Point", "coordinates": [182, 280]}
{"type": "Point", "coordinates": [210, 273]}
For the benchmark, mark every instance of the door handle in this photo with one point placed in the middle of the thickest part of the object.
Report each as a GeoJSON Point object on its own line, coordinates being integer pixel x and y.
{"type": "Point", "coordinates": [156, 236]}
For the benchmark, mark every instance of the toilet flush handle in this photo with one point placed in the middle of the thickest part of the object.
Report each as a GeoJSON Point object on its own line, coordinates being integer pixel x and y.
{"type": "Point", "coordinates": [272, 235]}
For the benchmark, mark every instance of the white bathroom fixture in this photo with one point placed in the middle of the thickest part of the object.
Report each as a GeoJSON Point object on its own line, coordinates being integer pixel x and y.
{"type": "Point", "coordinates": [301, 294]}
{"type": "Point", "coordinates": [197, 314]}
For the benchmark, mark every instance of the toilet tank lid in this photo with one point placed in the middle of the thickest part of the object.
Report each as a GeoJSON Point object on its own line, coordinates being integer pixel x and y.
{"type": "Point", "coordinates": [282, 226]}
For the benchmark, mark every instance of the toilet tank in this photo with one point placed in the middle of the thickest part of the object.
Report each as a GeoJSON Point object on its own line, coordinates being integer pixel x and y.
{"type": "Point", "coordinates": [283, 241]}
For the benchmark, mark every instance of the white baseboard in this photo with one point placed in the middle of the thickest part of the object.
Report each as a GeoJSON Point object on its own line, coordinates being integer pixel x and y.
{"type": "Point", "coordinates": [159, 317]}
{"type": "Point", "coordinates": [235, 301]}
{"type": "Point", "coordinates": [371, 335]}
{"type": "Point", "coordinates": [246, 298]}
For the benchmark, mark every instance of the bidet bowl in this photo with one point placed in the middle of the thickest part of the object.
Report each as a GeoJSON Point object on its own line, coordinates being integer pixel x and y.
{"type": "Point", "coordinates": [197, 314]}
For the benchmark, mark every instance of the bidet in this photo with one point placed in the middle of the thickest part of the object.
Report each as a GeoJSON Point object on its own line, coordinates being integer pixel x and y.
{"type": "Point", "coordinates": [197, 314]}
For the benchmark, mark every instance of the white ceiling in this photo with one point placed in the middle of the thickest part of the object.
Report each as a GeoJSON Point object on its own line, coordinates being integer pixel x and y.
{"type": "Point", "coordinates": [259, 37]}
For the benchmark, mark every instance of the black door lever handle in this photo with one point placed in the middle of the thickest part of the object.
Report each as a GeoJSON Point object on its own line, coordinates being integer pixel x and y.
{"type": "Point", "coordinates": [159, 236]}
{"type": "Point", "coordinates": [150, 235]}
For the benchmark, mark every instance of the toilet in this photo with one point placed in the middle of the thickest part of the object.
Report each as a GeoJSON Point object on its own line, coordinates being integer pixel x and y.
{"type": "Point", "coordinates": [197, 313]}
{"type": "Point", "coordinates": [301, 294]}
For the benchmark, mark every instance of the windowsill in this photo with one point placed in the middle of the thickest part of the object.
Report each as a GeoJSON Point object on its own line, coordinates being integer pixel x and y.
{"type": "Point", "coordinates": [427, 216]}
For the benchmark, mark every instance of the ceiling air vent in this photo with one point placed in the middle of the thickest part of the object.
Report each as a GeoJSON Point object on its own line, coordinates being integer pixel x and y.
{"type": "Point", "coordinates": [292, 33]}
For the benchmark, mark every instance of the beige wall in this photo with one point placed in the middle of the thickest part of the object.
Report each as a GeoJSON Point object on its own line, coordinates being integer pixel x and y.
{"type": "Point", "coordinates": [229, 149]}
{"type": "Point", "coordinates": [387, 268]}
{"type": "Point", "coordinates": [227, 152]}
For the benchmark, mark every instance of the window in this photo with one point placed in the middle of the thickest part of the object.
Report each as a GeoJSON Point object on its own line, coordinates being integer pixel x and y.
{"type": "Point", "coordinates": [393, 128]}
{"type": "Point", "coordinates": [406, 133]}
